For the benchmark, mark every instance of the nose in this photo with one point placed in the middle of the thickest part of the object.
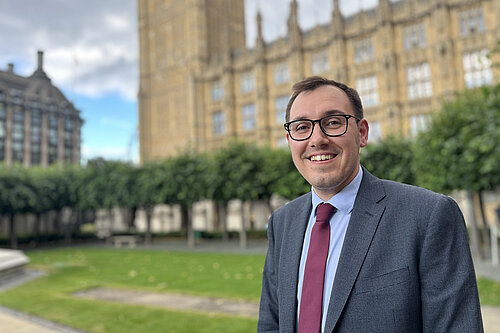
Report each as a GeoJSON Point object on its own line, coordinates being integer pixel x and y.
{"type": "Point", "coordinates": [318, 138]}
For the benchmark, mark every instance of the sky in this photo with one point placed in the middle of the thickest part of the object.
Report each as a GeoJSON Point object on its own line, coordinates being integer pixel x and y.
{"type": "Point", "coordinates": [91, 54]}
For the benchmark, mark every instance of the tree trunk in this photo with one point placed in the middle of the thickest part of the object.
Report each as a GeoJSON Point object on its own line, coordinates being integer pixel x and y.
{"type": "Point", "coordinates": [131, 222]}
{"type": "Point", "coordinates": [12, 231]}
{"type": "Point", "coordinates": [37, 228]}
{"type": "Point", "coordinates": [68, 228]}
{"type": "Point", "coordinates": [57, 225]}
{"type": "Point", "coordinates": [149, 237]}
{"type": "Point", "coordinates": [221, 208]}
{"type": "Point", "coordinates": [191, 241]}
{"type": "Point", "coordinates": [243, 231]}
{"type": "Point", "coordinates": [474, 235]}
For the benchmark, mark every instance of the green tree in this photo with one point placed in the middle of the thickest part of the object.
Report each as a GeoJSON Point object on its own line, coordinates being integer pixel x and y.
{"type": "Point", "coordinates": [245, 172]}
{"type": "Point", "coordinates": [185, 182]}
{"type": "Point", "coordinates": [103, 186]}
{"type": "Point", "coordinates": [17, 196]}
{"type": "Point", "coordinates": [286, 180]}
{"type": "Point", "coordinates": [461, 149]}
{"type": "Point", "coordinates": [391, 159]}
{"type": "Point", "coordinates": [45, 187]}
{"type": "Point", "coordinates": [149, 186]}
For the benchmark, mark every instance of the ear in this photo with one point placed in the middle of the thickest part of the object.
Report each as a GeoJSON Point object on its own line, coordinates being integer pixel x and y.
{"type": "Point", "coordinates": [363, 132]}
{"type": "Point", "coordinates": [288, 138]}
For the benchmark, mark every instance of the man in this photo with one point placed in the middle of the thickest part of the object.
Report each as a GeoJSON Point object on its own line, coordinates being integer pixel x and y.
{"type": "Point", "coordinates": [397, 257]}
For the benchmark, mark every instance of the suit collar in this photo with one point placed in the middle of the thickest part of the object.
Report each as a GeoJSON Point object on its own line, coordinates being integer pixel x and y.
{"type": "Point", "coordinates": [366, 214]}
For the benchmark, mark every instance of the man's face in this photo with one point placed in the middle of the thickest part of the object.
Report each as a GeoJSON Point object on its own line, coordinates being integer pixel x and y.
{"type": "Point", "coordinates": [328, 176]}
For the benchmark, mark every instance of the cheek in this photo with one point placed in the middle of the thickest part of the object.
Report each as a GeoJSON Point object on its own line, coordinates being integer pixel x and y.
{"type": "Point", "coordinates": [296, 148]}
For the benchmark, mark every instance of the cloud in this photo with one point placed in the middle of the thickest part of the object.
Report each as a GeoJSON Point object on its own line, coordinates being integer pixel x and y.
{"type": "Point", "coordinates": [90, 47]}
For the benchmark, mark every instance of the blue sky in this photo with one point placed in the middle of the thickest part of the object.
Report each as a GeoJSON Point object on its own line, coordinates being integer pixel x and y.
{"type": "Point", "coordinates": [91, 54]}
{"type": "Point", "coordinates": [110, 127]}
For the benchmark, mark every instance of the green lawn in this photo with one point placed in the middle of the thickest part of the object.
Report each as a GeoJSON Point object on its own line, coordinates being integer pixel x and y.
{"type": "Point", "coordinates": [489, 292]}
{"type": "Point", "coordinates": [70, 270]}
{"type": "Point", "coordinates": [206, 274]}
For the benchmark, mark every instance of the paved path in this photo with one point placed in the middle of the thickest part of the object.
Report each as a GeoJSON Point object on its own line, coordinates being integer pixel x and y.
{"type": "Point", "coordinates": [16, 322]}
{"type": "Point", "coordinates": [174, 301]}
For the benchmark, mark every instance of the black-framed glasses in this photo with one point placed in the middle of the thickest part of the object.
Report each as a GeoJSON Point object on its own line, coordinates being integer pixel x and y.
{"type": "Point", "coordinates": [331, 125]}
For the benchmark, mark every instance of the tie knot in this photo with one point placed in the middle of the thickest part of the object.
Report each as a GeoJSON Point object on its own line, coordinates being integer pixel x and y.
{"type": "Point", "coordinates": [324, 212]}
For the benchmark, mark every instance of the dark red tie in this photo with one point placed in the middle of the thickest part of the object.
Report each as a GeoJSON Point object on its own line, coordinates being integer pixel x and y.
{"type": "Point", "coordinates": [314, 275]}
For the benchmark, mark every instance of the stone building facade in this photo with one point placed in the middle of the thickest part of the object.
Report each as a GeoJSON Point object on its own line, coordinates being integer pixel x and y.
{"type": "Point", "coordinates": [200, 86]}
{"type": "Point", "coordinates": [38, 125]}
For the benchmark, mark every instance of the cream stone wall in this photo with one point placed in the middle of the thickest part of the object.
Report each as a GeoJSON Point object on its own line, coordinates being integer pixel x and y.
{"type": "Point", "coordinates": [188, 46]}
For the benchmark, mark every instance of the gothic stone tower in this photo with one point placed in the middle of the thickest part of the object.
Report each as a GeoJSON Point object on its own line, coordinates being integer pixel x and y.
{"type": "Point", "coordinates": [179, 40]}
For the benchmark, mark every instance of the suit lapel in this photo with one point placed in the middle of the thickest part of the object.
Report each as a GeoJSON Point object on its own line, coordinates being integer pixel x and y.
{"type": "Point", "coordinates": [290, 260]}
{"type": "Point", "coordinates": [364, 221]}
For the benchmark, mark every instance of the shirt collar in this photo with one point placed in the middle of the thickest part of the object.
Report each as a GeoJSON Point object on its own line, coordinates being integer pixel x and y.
{"type": "Point", "coordinates": [344, 200]}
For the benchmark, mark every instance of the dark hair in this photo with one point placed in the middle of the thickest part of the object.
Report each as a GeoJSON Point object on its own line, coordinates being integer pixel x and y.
{"type": "Point", "coordinates": [313, 82]}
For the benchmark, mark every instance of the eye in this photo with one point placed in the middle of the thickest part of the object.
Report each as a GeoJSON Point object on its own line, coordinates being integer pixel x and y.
{"type": "Point", "coordinates": [301, 126]}
{"type": "Point", "coordinates": [333, 122]}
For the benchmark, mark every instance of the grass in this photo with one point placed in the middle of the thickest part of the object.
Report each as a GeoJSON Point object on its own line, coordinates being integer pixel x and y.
{"type": "Point", "coordinates": [214, 275]}
{"type": "Point", "coordinates": [489, 292]}
{"type": "Point", "coordinates": [70, 270]}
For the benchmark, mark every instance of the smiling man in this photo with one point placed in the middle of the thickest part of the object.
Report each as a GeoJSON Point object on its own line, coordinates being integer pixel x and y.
{"type": "Point", "coordinates": [357, 253]}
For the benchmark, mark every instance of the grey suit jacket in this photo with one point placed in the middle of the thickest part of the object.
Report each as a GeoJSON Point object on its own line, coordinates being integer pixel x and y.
{"type": "Point", "coordinates": [405, 265]}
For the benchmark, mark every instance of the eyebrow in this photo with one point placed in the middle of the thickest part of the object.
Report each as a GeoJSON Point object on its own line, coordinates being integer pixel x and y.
{"type": "Point", "coordinates": [326, 113]}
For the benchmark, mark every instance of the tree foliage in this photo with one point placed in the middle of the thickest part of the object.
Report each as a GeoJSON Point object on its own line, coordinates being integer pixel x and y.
{"type": "Point", "coordinates": [391, 159]}
{"type": "Point", "coordinates": [17, 194]}
{"type": "Point", "coordinates": [461, 149]}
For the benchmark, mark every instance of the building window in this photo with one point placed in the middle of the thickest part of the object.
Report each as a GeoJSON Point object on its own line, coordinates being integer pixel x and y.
{"type": "Point", "coordinates": [414, 36]}
{"type": "Point", "coordinates": [18, 136]}
{"type": "Point", "coordinates": [363, 51]}
{"type": "Point", "coordinates": [477, 69]}
{"type": "Point", "coordinates": [16, 96]}
{"type": "Point", "coordinates": [217, 91]}
{"type": "Point", "coordinates": [68, 137]}
{"type": "Point", "coordinates": [53, 136]}
{"type": "Point", "coordinates": [280, 104]}
{"type": "Point", "coordinates": [320, 63]}
{"type": "Point", "coordinates": [375, 133]}
{"type": "Point", "coordinates": [368, 90]}
{"type": "Point", "coordinates": [281, 73]}
{"type": "Point", "coordinates": [218, 123]}
{"type": "Point", "coordinates": [418, 80]}
{"type": "Point", "coordinates": [248, 117]}
{"type": "Point", "coordinates": [471, 21]}
{"type": "Point", "coordinates": [36, 136]}
{"type": "Point", "coordinates": [418, 123]}
{"type": "Point", "coordinates": [247, 82]}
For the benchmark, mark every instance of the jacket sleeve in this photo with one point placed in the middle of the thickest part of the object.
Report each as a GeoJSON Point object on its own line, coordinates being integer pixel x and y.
{"type": "Point", "coordinates": [269, 310]}
{"type": "Point", "coordinates": [450, 301]}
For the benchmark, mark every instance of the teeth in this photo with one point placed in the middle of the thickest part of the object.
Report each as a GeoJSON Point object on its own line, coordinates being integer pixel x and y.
{"type": "Point", "coordinates": [321, 157]}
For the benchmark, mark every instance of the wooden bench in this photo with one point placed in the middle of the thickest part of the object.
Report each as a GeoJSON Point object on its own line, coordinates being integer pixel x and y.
{"type": "Point", "coordinates": [119, 241]}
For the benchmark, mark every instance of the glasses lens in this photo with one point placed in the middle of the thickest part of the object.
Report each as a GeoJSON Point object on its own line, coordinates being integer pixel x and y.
{"type": "Point", "coordinates": [334, 125]}
{"type": "Point", "coordinates": [300, 129]}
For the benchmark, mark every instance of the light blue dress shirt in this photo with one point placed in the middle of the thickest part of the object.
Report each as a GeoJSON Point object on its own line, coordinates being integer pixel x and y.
{"type": "Point", "coordinates": [344, 202]}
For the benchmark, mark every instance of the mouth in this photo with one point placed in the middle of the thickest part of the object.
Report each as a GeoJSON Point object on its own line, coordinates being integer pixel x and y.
{"type": "Point", "coordinates": [322, 157]}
